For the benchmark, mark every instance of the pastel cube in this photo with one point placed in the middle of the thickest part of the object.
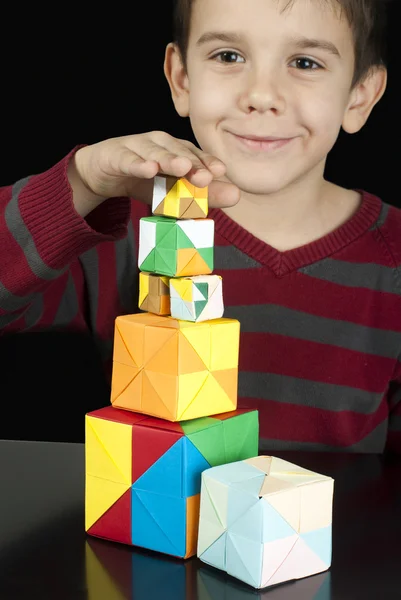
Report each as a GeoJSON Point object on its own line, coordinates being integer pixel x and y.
{"type": "Point", "coordinates": [174, 369]}
{"type": "Point", "coordinates": [178, 198]}
{"type": "Point", "coordinates": [176, 247]}
{"type": "Point", "coordinates": [265, 521]}
{"type": "Point", "coordinates": [198, 298]}
{"type": "Point", "coordinates": [154, 293]}
{"type": "Point", "coordinates": [143, 475]}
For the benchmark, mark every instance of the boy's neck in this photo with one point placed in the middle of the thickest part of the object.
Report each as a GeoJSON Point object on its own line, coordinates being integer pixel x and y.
{"type": "Point", "coordinates": [295, 217]}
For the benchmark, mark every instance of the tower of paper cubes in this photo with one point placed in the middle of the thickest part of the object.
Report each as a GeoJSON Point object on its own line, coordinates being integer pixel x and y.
{"type": "Point", "coordinates": [173, 406]}
{"type": "Point", "coordinates": [181, 364]}
{"type": "Point", "coordinates": [172, 464]}
{"type": "Point", "coordinates": [265, 520]}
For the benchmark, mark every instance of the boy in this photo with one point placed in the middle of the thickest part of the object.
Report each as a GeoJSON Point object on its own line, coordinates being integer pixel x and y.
{"type": "Point", "coordinates": [311, 270]}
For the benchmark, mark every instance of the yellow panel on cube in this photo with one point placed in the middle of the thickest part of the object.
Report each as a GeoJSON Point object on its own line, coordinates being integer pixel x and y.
{"type": "Point", "coordinates": [100, 495]}
{"type": "Point", "coordinates": [154, 293]}
{"type": "Point", "coordinates": [188, 369]}
{"type": "Point", "coordinates": [178, 198]}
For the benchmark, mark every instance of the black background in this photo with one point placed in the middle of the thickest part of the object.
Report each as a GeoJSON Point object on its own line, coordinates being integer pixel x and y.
{"type": "Point", "coordinates": [72, 77]}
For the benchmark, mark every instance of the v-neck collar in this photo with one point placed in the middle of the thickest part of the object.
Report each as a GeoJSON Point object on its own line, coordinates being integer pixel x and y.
{"type": "Point", "coordinates": [282, 263]}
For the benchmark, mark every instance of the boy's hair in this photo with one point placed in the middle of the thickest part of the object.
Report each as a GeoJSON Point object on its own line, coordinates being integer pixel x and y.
{"type": "Point", "coordinates": [367, 19]}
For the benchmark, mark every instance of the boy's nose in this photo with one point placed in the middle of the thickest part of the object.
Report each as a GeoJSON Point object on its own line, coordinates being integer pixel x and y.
{"type": "Point", "coordinates": [263, 93]}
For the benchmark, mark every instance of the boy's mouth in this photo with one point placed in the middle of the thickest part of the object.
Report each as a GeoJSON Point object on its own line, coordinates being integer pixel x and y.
{"type": "Point", "coordinates": [262, 143]}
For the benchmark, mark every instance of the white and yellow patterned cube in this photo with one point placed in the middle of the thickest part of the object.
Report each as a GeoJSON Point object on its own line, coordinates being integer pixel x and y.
{"type": "Point", "coordinates": [197, 298]}
{"type": "Point", "coordinates": [178, 198]}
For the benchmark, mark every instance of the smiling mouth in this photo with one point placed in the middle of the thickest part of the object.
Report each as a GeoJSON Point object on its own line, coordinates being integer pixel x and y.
{"type": "Point", "coordinates": [269, 143]}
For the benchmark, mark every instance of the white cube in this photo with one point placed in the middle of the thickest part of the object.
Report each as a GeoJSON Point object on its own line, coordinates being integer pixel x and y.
{"type": "Point", "coordinates": [265, 521]}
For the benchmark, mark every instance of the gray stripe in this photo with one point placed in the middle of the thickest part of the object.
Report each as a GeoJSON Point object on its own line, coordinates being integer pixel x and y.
{"type": "Point", "coordinates": [395, 398]}
{"type": "Point", "coordinates": [382, 217]}
{"type": "Point", "coordinates": [373, 443]}
{"type": "Point", "coordinates": [229, 257]}
{"type": "Point", "coordinates": [395, 423]}
{"type": "Point", "coordinates": [127, 272]}
{"type": "Point", "coordinates": [22, 236]}
{"type": "Point", "coordinates": [304, 392]}
{"type": "Point", "coordinates": [68, 306]}
{"type": "Point", "coordinates": [349, 274]}
{"type": "Point", "coordinates": [270, 318]}
{"type": "Point", "coordinates": [90, 265]}
{"type": "Point", "coordinates": [34, 312]}
{"type": "Point", "coordinates": [8, 318]}
{"type": "Point", "coordinates": [10, 302]}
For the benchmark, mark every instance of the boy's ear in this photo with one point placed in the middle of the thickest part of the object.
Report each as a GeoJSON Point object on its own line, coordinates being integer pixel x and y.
{"type": "Point", "coordinates": [177, 78]}
{"type": "Point", "coordinates": [363, 98]}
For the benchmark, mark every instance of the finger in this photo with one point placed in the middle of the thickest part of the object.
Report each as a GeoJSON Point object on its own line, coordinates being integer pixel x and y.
{"type": "Point", "coordinates": [131, 164]}
{"type": "Point", "coordinates": [181, 158]}
{"type": "Point", "coordinates": [223, 194]}
{"type": "Point", "coordinates": [212, 163]}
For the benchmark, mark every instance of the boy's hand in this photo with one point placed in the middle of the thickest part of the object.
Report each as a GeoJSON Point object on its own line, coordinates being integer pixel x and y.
{"type": "Point", "coordinates": [126, 166]}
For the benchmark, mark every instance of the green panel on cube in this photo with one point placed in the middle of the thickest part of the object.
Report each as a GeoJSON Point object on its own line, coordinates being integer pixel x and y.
{"type": "Point", "coordinates": [149, 263]}
{"type": "Point", "coordinates": [183, 240]}
{"type": "Point", "coordinates": [203, 288]}
{"type": "Point", "coordinates": [210, 444]}
{"type": "Point", "coordinates": [166, 261]}
{"type": "Point", "coordinates": [199, 306]}
{"type": "Point", "coordinates": [241, 436]}
{"type": "Point", "coordinates": [208, 256]}
{"type": "Point", "coordinates": [166, 235]}
{"type": "Point", "coordinates": [193, 425]}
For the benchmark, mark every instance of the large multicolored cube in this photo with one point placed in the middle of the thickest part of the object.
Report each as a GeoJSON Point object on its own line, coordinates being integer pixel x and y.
{"type": "Point", "coordinates": [265, 520]}
{"type": "Point", "coordinates": [178, 198]}
{"type": "Point", "coordinates": [143, 475]}
{"type": "Point", "coordinates": [175, 370]}
{"type": "Point", "coordinates": [176, 247]}
{"type": "Point", "coordinates": [198, 298]}
{"type": "Point", "coordinates": [154, 293]}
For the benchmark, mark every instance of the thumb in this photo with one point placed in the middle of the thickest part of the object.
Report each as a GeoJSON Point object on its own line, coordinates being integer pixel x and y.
{"type": "Point", "coordinates": [223, 194]}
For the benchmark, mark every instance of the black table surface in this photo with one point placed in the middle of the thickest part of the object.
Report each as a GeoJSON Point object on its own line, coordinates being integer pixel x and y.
{"type": "Point", "coordinates": [46, 554]}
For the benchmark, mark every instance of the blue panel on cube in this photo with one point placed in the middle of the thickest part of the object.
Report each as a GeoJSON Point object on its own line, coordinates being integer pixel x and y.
{"type": "Point", "coordinates": [165, 475]}
{"type": "Point", "coordinates": [244, 559]}
{"type": "Point", "coordinates": [159, 522]}
{"type": "Point", "coordinates": [250, 524]}
{"type": "Point", "coordinates": [239, 502]}
{"type": "Point", "coordinates": [215, 554]}
{"type": "Point", "coordinates": [194, 464]}
{"type": "Point", "coordinates": [319, 541]}
{"type": "Point", "coordinates": [275, 526]}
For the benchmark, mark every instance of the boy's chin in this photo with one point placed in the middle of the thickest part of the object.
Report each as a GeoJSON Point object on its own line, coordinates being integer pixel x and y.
{"type": "Point", "coordinates": [259, 185]}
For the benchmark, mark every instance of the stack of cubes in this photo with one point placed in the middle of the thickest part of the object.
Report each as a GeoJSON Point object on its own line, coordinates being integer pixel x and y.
{"type": "Point", "coordinates": [172, 465]}
{"type": "Point", "coordinates": [173, 409]}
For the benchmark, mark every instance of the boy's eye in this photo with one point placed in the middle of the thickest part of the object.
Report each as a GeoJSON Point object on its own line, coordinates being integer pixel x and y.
{"type": "Point", "coordinates": [306, 64]}
{"type": "Point", "coordinates": [228, 56]}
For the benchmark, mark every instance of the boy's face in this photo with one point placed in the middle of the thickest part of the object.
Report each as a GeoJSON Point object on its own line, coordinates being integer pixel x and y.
{"type": "Point", "coordinates": [255, 70]}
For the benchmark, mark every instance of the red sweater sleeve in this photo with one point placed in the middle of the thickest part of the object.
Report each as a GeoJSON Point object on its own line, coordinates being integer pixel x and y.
{"type": "Point", "coordinates": [41, 234]}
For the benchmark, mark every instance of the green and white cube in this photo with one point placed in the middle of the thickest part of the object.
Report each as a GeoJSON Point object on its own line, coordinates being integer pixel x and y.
{"type": "Point", "coordinates": [176, 247]}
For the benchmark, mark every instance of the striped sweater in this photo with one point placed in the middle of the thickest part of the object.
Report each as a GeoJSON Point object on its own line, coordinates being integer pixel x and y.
{"type": "Point", "coordinates": [320, 324]}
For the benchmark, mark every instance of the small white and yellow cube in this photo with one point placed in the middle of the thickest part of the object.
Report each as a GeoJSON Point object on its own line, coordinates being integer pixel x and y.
{"type": "Point", "coordinates": [197, 298]}
{"type": "Point", "coordinates": [178, 198]}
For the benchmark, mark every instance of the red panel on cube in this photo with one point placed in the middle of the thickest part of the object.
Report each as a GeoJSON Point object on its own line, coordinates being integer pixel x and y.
{"type": "Point", "coordinates": [149, 444]}
{"type": "Point", "coordinates": [115, 523]}
{"type": "Point", "coordinates": [162, 424]}
{"type": "Point", "coordinates": [109, 413]}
